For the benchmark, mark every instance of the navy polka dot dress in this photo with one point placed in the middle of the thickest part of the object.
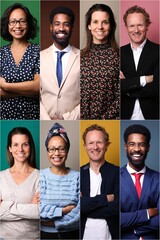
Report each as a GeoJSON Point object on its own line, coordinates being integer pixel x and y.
{"type": "Point", "coordinates": [22, 107]}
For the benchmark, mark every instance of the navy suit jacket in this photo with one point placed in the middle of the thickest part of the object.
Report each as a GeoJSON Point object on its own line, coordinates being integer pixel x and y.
{"type": "Point", "coordinates": [98, 206]}
{"type": "Point", "coordinates": [130, 87]}
{"type": "Point", "coordinates": [134, 219]}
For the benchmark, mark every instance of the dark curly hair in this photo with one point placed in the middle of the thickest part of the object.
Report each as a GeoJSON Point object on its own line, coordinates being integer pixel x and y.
{"type": "Point", "coordinates": [137, 128]}
{"type": "Point", "coordinates": [31, 21]}
{"type": "Point", "coordinates": [23, 131]}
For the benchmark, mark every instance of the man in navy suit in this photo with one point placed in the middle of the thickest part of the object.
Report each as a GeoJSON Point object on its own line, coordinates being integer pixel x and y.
{"type": "Point", "coordinates": [139, 210]}
{"type": "Point", "coordinates": [99, 189]}
{"type": "Point", "coordinates": [139, 69]}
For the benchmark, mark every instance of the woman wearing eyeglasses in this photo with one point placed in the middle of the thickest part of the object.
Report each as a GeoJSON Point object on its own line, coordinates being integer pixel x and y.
{"type": "Point", "coordinates": [59, 190]}
{"type": "Point", "coordinates": [19, 69]}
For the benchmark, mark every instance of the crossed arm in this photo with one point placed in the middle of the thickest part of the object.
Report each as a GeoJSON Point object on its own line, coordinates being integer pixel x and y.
{"type": "Point", "coordinates": [26, 88]}
{"type": "Point", "coordinates": [13, 211]}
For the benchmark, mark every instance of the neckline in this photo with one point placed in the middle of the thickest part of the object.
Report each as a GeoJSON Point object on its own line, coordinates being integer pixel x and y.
{"type": "Point", "coordinates": [16, 184]}
{"type": "Point", "coordinates": [49, 169]}
{"type": "Point", "coordinates": [20, 62]}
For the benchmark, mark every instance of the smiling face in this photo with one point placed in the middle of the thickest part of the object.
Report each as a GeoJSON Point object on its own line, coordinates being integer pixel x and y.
{"type": "Point", "coordinates": [20, 147]}
{"type": "Point", "coordinates": [99, 27]}
{"type": "Point", "coordinates": [18, 30]}
{"type": "Point", "coordinates": [136, 28]}
{"type": "Point", "coordinates": [136, 149]}
{"type": "Point", "coordinates": [61, 30]}
{"type": "Point", "coordinates": [95, 146]}
{"type": "Point", "coordinates": [59, 156]}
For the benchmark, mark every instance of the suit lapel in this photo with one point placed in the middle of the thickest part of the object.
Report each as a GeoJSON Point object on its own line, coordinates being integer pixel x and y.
{"type": "Point", "coordinates": [142, 59]}
{"type": "Point", "coordinates": [51, 63]}
{"type": "Point", "coordinates": [128, 183]}
{"type": "Point", "coordinates": [130, 63]}
{"type": "Point", "coordinates": [71, 61]}
{"type": "Point", "coordinates": [145, 188]}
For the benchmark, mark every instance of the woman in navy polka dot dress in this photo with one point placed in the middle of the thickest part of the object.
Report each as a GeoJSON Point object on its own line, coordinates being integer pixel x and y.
{"type": "Point", "coordinates": [19, 68]}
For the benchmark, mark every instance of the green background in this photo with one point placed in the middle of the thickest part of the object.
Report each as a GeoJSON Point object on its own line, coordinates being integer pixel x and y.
{"type": "Point", "coordinates": [34, 8]}
{"type": "Point", "coordinates": [6, 126]}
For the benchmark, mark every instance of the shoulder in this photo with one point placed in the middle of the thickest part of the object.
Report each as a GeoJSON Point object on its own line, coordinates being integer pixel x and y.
{"type": "Point", "coordinates": [123, 169]}
{"type": "Point", "coordinates": [74, 173]}
{"type": "Point", "coordinates": [153, 47]}
{"type": "Point", "coordinates": [46, 50]}
{"type": "Point", "coordinates": [4, 173]}
{"type": "Point", "coordinates": [35, 49]}
{"type": "Point", "coordinates": [75, 50]}
{"type": "Point", "coordinates": [4, 49]}
{"type": "Point", "coordinates": [110, 166]}
{"type": "Point", "coordinates": [44, 171]}
{"type": "Point", "coordinates": [36, 172]}
{"type": "Point", "coordinates": [85, 167]}
{"type": "Point", "coordinates": [152, 172]}
{"type": "Point", "coordinates": [125, 47]}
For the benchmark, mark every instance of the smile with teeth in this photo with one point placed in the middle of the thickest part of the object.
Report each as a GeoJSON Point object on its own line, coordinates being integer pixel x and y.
{"type": "Point", "coordinates": [56, 159]}
{"type": "Point", "coordinates": [136, 155]}
{"type": "Point", "coordinates": [61, 35]}
{"type": "Point", "coordinates": [18, 31]}
{"type": "Point", "coordinates": [20, 154]}
{"type": "Point", "coordinates": [100, 33]}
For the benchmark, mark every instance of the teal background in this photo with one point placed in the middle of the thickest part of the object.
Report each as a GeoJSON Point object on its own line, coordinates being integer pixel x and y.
{"type": "Point", "coordinates": [6, 126]}
{"type": "Point", "coordinates": [34, 8]}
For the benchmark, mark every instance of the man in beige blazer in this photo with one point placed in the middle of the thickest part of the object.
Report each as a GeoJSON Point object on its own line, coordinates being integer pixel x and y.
{"type": "Point", "coordinates": [60, 100]}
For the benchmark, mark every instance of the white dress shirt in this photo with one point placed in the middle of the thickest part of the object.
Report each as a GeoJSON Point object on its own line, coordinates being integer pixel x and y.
{"type": "Point", "coordinates": [137, 112]}
{"type": "Point", "coordinates": [65, 57]}
{"type": "Point", "coordinates": [96, 229]}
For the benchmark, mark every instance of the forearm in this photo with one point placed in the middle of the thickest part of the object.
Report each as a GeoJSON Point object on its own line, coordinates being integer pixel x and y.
{"type": "Point", "coordinates": [133, 219]}
{"type": "Point", "coordinates": [5, 94]}
{"type": "Point", "coordinates": [23, 88]}
{"type": "Point", "coordinates": [50, 211]}
{"type": "Point", "coordinates": [70, 220]}
{"type": "Point", "coordinates": [90, 204]}
{"type": "Point", "coordinates": [150, 226]}
{"type": "Point", "coordinates": [16, 211]}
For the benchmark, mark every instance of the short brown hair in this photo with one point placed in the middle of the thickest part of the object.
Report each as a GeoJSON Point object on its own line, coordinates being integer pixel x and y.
{"type": "Point", "coordinates": [137, 9]}
{"type": "Point", "coordinates": [97, 128]}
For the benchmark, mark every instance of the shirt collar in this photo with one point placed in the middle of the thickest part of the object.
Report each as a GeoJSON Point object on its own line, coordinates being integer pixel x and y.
{"type": "Point", "coordinates": [67, 49]}
{"type": "Point", "coordinates": [140, 46]}
{"type": "Point", "coordinates": [131, 170]}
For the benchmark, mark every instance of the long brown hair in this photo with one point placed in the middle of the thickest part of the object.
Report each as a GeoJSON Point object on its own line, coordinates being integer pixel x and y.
{"type": "Point", "coordinates": [111, 37]}
{"type": "Point", "coordinates": [24, 131]}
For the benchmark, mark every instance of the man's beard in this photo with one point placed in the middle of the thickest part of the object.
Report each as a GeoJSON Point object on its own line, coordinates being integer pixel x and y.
{"type": "Point", "coordinates": [62, 41]}
{"type": "Point", "coordinates": [139, 164]}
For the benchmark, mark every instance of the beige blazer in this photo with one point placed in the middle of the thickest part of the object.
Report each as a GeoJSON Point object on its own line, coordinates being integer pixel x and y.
{"type": "Point", "coordinates": [64, 101]}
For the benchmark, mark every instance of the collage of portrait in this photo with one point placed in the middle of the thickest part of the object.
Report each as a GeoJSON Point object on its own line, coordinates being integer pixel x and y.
{"type": "Point", "coordinates": [79, 119]}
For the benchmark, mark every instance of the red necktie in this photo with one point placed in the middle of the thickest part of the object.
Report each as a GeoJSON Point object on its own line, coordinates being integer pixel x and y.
{"type": "Point", "coordinates": [137, 183]}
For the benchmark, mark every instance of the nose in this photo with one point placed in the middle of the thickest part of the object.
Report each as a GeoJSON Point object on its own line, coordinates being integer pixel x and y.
{"type": "Point", "coordinates": [61, 27]}
{"type": "Point", "coordinates": [95, 145]}
{"type": "Point", "coordinates": [136, 147]}
{"type": "Point", "coordinates": [100, 25]}
{"type": "Point", "coordinates": [20, 148]}
{"type": "Point", "coordinates": [56, 152]}
{"type": "Point", "coordinates": [136, 29]}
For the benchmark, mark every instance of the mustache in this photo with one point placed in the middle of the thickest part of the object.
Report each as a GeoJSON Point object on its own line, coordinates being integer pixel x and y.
{"type": "Point", "coordinates": [62, 31]}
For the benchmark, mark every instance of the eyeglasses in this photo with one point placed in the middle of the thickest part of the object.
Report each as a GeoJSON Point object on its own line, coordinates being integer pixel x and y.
{"type": "Point", "coordinates": [53, 149]}
{"type": "Point", "coordinates": [14, 22]}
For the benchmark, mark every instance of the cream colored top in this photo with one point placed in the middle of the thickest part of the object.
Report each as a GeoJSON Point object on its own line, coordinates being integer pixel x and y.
{"type": "Point", "coordinates": [19, 217]}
